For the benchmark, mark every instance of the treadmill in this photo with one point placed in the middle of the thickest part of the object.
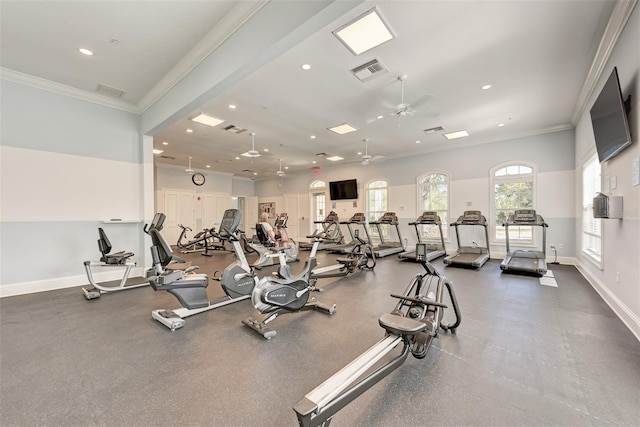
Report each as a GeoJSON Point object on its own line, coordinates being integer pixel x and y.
{"type": "Point", "coordinates": [434, 249]}
{"type": "Point", "coordinates": [331, 234]}
{"type": "Point", "coordinates": [355, 222]}
{"type": "Point", "coordinates": [524, 260]}
{"type": "Point", "coordinates": [470, 256]}
{"type": "Point", "coordinates": [388, 247]}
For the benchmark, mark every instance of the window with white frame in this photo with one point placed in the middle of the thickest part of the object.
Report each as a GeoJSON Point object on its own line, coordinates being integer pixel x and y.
{"type": "Point", "coordinates": [512, 187]}
{"type": "Point", "coordinates": [317, 191]}
{"type": "Point", "coordinates": [433, 195]}
{"type": "Point", "coordinates": [377, 203]}
{"type": "Point", "coordinates": [591, 227]}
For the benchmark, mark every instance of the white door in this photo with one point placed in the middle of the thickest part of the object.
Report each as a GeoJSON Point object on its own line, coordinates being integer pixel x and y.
{"type": "Point", "coordinates": [179, 209]}
{"type": "Point", "coordinates": [291, 208]}
{"type": "Point", "coordinates": [214, 206]}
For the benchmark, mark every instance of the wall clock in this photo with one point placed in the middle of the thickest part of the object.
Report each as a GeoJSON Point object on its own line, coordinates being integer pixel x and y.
{"type": "Point", "coordinates": [197, 178]}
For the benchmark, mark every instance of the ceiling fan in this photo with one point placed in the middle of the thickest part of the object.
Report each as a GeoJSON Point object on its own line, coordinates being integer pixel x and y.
{"type": "Point", "coordinates": [366, 158]}
{"type": "Point", "coordinates": [189, 169]}
{"type": "Point", "coordinates": [405, 109]}
{"type": "Point", "coordinates": [252, 153]}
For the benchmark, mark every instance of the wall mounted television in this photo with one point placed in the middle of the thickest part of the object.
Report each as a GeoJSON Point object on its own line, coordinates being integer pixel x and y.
{"type": "Point", "coordinates": [609, 119]}
{"type": "Point", "coordinates": [343, 190]}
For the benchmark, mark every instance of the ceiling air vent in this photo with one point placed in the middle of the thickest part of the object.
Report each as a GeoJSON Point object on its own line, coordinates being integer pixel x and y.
{"type": "Point", "coordinates": [111, 92]}
{"type": "Point", "coordinates": [168, 157]}
{"type": "Point", "coordinates": [234, 129]}
{"type": "Point", "coordinates": [368, 71]}
{"type": "Point", "coordinates": [434, 130]}
{"type": "Point", "coordinates": [321, 154]}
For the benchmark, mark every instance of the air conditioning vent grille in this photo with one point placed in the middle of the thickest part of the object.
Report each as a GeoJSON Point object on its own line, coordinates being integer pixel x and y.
{"type": "Point", "coordinates": [368, 71]}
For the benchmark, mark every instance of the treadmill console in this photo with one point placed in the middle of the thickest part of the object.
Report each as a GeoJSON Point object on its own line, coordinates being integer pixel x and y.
{"type": "Point", "coordinates": [332, 217]}
{"type": "Point", "coordinates": [388, 218]}
{"type": "Point", "coordinates": [429, 216]}
{"type": "Point", "coordinates": [472, 217]}
{"type": "Point", "coordinates": [358, 217]}
{"type": "Point", "coordinates": [524, 216]}
{"type": "Point", "coordinates": [421, 251]}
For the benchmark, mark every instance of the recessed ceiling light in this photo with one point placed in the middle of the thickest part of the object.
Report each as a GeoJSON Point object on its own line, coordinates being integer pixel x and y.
{"type": "Point", "coordinates": [364, 33]}
{"type": "Point", "coordinates": [156, 151]}
{"type": "Point", "coordinates": [359, 153]}
{"type": "Point", "coordinates": [418, 142]}
{"type": "Point", "coordinates": [255, 173]}
{"type": "Point", "coordinates": [456, 135]}
{"type": "Point", "coordinates": [305, 67]}
{"type": "Point", "coordinates": [485, 87]}
{"type": "Point", "coordinates": [335, 158]}
{"type": "Point", "coordinates": [312, 137]}
{"type": "Point", "coordinates": [237, 158]}
{"type": "Point", "coordinates": [286, 167]}
{"type": "Point", "coordinates": [232, 106]}
{"type": "Point", "coordinates": [84, 51]}
{"type": "Point", "coordinates": [189, 130]}
{"type": "Point", "coordinates": [207, 120]}
{"type": "Point", "coordinates": [314, 162]}
{"type": "Point", "coordinates": [165, 143]}
{"type": "Point", "coordinates": [208, 166]}
{"type": "Point", "coordinates": [343, 129]}
{"type": "Point", "coordinates": [380, 117]}
{"type": "Point", "coordinates": [266, 149]}
{"type": "Point", "coordinates": [500, 125]}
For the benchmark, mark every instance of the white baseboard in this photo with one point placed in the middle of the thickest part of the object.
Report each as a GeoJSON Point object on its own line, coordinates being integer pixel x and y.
{"type": "Point", "coordinates": [628, 317]}
{"type": "Point", "coordinates": [23, 288]}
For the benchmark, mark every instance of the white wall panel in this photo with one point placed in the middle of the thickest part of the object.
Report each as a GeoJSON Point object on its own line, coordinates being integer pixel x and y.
{"type": "Point", "coordinates": [46, 186]}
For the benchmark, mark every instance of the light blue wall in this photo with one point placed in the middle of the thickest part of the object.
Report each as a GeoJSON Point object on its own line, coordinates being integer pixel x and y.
{"type": "Point", "coordinates": [67, 165]}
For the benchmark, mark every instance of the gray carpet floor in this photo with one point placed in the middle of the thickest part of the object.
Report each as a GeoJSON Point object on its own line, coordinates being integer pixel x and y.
{"type": "Point", "coordinates": [525, 354]}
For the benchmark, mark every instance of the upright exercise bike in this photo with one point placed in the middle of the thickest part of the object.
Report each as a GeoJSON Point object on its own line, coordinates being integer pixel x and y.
{"type": "Point", "coordinates": [237, 279]}
{"type": "Point", "coordinates": [286, 293]}
{"type": "Point", "coordinates": [415, 322]}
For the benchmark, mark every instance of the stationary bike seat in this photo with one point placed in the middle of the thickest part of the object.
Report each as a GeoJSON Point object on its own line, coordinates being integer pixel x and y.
{"type": "Point", "coordinates": [398, 325]}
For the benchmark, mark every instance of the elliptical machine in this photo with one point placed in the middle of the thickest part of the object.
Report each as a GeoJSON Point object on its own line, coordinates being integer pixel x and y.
{"type": "Point", "coordinates": [286, 293]}
{"type": "Point", "coordinates": [415, 322]}
{"type": "Point", "coordinates": [237, 280]}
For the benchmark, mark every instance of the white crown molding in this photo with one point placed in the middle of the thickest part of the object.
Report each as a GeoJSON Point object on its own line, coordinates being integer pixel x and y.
{"type": "Point", "coordinates": [617, 21]}
{"type": "Point", "coordinates": [234, 19]}
{"type": "Point", "coordinates": [48, 85]}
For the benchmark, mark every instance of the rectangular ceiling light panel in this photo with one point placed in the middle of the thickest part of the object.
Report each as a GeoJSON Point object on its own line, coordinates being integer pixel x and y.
{"type": "Point", "coordinates": [456, 135]}
{"type": "Point", "coordinates": [343, 129]}
{"type": "Point", "coordinates": [207, 120]}
{"type": "Point", "coordinates": [364, 33]}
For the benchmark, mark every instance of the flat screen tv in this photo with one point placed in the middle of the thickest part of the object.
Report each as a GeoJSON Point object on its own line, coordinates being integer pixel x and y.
{"type": "Point", "coordinates": [609, 120]}
{"type": "Point", "coordinates": [343, 190]}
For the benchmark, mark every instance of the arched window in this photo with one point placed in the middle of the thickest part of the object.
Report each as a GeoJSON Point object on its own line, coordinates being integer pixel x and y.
{"type": "Point", "coordinates": [512, 187]}
{"type": "Point", "coordinates": [318, 198]}
{"type": "Point", "coordinates": [377, 203]}
{"type": "Point", "coordinates": [433, 195]}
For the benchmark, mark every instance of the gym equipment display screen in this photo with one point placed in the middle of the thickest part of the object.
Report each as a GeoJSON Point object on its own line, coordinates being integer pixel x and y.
{"type": "Point", "coordinates": [343, 190]}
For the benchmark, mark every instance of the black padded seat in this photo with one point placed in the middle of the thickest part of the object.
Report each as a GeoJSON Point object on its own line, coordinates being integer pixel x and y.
{"type": "Point", "coordinates": [399, 325]}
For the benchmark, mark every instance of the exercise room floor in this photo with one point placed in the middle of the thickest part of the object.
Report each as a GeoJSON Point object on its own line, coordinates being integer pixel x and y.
{"type": "Point", "coordinates": [524, 354]}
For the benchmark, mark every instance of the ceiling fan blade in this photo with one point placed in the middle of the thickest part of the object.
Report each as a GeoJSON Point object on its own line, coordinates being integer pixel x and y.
{"type": "Point", "coordinates": [423, 100]}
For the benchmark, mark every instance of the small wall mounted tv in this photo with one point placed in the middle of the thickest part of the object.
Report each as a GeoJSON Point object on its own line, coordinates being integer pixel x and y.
{"type": "Point", "coordinates": [609, 119]}
{"type": "Point", "coordinates": [343, 190]}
